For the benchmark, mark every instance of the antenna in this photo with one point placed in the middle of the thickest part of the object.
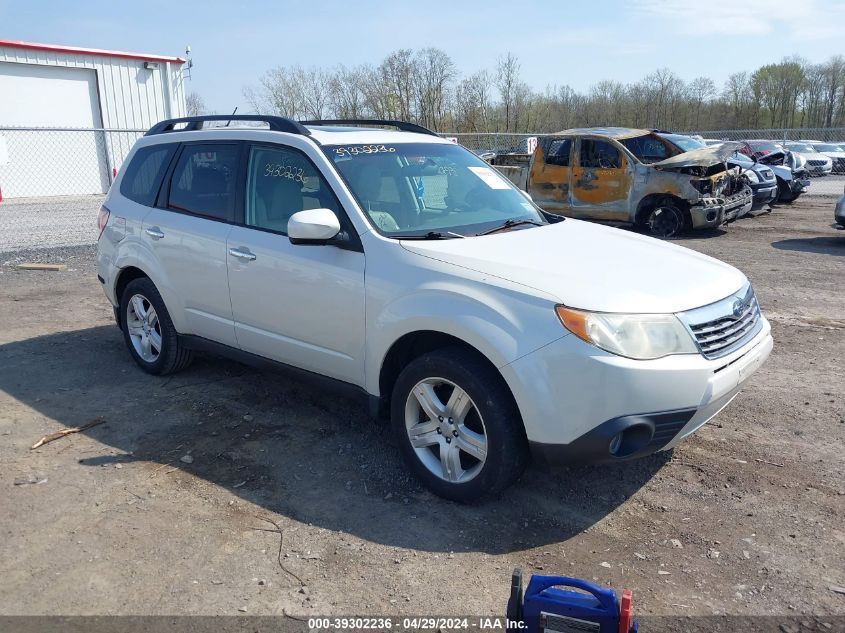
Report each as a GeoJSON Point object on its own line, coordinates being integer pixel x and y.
{"type": "Point", "coordinates": [189, 63]}
{"type": "Point", "coordinates": [234, 112]}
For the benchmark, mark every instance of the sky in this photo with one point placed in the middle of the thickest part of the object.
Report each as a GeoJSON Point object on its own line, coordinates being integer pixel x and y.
{"type": "Point", "coordinates": [557, 41]}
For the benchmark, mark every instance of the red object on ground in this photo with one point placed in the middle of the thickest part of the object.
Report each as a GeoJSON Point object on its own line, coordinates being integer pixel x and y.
{"type": "Point", "coordinates": [626, 611]}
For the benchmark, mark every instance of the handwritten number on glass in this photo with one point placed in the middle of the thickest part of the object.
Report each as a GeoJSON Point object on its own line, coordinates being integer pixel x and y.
{"type": "Point", "coordinates": [357, 150]}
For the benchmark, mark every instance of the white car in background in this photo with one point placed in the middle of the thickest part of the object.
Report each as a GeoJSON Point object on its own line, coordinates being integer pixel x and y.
{"type": "Point", "coordinates": [400, 266]}
{"type": "Point", "coordinates": [817, 164]}
{"type": "Point", "coordinates": [834, 151]}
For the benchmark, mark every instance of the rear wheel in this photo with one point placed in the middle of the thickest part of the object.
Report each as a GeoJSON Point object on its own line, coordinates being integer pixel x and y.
{"type": "Point", "coordinates": [148, 331]}
{"type": "Point", "coordinates": [457, 425]}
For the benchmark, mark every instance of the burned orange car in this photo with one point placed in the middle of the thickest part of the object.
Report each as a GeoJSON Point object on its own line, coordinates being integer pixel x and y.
{"type": "Point", "coordinates": [629, 176]}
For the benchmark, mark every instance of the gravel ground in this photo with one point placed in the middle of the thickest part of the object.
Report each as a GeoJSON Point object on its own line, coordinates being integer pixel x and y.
{"type": "Point", "coordinates": [229, 490]}
{"type": "Point", "coordinates": [27, 223]}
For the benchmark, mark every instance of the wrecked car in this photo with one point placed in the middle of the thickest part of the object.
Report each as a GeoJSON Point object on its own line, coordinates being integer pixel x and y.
{"type": "Point", "coordinates": [630, 176]}
{"type": "Point", "coordinates": [760, 177]}
{"type": "Point", "coordinates": [790, 168]}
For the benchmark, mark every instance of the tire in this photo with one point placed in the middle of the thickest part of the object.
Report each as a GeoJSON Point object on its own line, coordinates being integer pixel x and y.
{"type": "Point", "coordinates": [456, 381]}
{"type": "Point", "coordinates": [785, 195]}
{"type": "Point", "coordinates": [665, 220]}
{"type": "Point", "coordinates": [144, 317]}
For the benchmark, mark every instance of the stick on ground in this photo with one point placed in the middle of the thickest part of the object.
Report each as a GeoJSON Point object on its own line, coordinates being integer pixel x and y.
{"type": "Point", "coordinates": [65, 432]}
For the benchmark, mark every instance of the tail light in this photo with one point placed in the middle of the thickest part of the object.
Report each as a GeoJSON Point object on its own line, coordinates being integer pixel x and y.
{"type": "Point", "coordinates": [102, 218]}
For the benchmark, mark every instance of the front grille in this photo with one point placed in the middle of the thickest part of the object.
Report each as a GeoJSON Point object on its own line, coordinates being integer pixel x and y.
{"type": "Point", "coordinates": [766, 174]}
{"type": "Point", "coordinates": [726, 333]}
{"type": "Point", "coordinates": [817, 163]}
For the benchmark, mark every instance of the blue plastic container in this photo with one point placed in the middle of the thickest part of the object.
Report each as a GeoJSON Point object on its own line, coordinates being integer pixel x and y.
{"type": "Point", "coordinates": [549, 604]}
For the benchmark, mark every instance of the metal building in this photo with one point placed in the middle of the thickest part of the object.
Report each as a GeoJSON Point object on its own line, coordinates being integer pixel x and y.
{"type": "Point", "coordinates": [69, 115]}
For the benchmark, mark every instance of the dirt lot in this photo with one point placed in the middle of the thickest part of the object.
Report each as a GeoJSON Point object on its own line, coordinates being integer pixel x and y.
{"type": "Point", "coordinates": [746, 517]}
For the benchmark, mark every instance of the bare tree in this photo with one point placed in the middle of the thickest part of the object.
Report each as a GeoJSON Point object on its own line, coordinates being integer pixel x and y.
{"type": "Point", "coordinates": [195, 105]}
{"type": "Point", "coordinates": [507, 78]}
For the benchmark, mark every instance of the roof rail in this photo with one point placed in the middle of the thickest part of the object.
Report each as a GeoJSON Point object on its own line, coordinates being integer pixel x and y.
{"type": "Point", "coordinates": [276, 123]}
{"type": "Point", "coordinates": [401, 125]}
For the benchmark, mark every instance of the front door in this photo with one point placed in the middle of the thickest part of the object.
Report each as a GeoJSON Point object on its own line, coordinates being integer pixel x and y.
{"type": "Point", "coordinates": [302, 305]}
{"type": "Point", "coordinates": [549, 180]}
{"type": "Point", "coordinates": [601, 181]}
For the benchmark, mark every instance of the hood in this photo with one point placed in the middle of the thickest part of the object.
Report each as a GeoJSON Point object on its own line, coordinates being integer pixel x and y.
{"type": "Point", "coordinates": [593, 267]}
{"type": "Point", "coordinates": [701, 157]}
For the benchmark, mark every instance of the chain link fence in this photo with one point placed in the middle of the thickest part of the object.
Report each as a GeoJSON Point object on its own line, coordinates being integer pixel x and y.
{"type": "Point", "coordinates": [38, 162]}
{"type": "Point", "coordinates": [53, 179]}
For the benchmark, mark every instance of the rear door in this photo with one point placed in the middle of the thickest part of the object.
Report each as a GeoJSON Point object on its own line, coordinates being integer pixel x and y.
{"type": "Point", "coordinates": [302, 305]}
{"type": "Point", "coordinates": [550, 173]}
{"type": "Point", "coordinates": [601, 181]}
{"type": "Point", "coordinates": [187, 233]}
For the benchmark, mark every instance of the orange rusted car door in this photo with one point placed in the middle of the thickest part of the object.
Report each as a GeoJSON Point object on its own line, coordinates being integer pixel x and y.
{"type": "Point", "coordinates": [601, 181]}
{"type": "Point", "coordinates": [549, 178]}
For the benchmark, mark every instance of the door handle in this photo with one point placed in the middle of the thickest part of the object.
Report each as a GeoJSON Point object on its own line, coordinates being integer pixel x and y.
{"type": "Point", "coordinates": [154, 232]}
{"type": "Point", "coordinates": [245, 255]}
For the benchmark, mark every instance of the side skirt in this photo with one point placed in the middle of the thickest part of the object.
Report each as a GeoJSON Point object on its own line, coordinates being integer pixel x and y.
{"type": "Point", "coordinates": [340, 387]}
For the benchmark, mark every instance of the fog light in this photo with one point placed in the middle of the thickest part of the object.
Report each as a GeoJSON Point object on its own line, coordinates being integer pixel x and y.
{"type": "Point", "coordinates": [711, 215]}
{"type": "Point", "coordinates": [631, 440]}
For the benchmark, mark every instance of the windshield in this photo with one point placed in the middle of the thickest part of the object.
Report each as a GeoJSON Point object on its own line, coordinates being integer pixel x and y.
{"type": "Point", "coordinates": [800, 147]}
{"type": "Point", "coordinates": [413, 189]}
{"type": "Point", "coordinates": [764, 147]}
{"type": "Point", "coordinates": [685, 143]}
{"type": "Point", "coordinates": [827, 147]}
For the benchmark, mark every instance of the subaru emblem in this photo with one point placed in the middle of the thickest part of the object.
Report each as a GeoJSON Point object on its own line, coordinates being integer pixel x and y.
{"type": "Point", "coordinates": [738, 307]}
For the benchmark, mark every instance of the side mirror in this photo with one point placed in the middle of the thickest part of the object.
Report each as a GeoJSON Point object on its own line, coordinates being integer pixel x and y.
{"type": "Point", "coordinates": [313, 226]}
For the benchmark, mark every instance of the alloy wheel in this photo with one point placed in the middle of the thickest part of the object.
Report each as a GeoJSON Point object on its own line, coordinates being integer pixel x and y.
{"type": "Point", "coordinates": [144, 328]}
{"type": "Point", "coordinates": [446, 430]}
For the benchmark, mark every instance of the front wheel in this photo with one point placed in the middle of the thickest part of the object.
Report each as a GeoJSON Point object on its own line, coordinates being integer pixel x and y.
{"type": "Point", "coordinates": [785, 194]}
{"type": "Point", "coordinates": [457, 425]}
{"type": "Point", "coordinates": [665, 220]}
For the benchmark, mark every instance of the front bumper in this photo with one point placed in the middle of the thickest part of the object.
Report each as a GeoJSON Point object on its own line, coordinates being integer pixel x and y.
{"type": "Point", "coordinates": [575, 399]}
{"type": "Point", "coordinates": [712, 212]}
{"type": "Point", "coordinates": [799, 185]}
{"type": "Point", "coordinates": [764, 193]}
{"type": "Point", "coordinates": [819, 170]}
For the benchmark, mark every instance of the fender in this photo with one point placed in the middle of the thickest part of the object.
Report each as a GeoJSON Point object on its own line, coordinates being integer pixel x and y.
{"type": "Point", "coordinates": [501, 324]}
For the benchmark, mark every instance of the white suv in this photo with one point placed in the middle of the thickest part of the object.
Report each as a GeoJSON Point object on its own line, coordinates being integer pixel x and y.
{"type": "Point", "coordinates": [400, 264]}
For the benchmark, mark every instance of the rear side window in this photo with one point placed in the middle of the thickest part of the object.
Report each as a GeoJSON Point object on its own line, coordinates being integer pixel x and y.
{"type": "Point", "coordinates": [143, 175]}
{"type": "Point", "coordinates": [203, 181]}
{"type": "Point", "coordinates": [557, 152]}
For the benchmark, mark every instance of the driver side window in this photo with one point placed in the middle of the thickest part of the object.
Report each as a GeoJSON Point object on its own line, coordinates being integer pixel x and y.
{"type": "Point", "coordinates": [599, 154]}
{"type": "Point", "coordinates": [280, 182]}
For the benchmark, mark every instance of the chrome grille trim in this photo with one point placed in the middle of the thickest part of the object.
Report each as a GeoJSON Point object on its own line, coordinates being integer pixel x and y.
{"type": "Point", "coordinates": [715, 328]}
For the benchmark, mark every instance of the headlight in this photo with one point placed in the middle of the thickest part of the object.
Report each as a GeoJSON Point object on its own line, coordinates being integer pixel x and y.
{"type": "Point", "coordinates": [640, 336]}
{"type": "Point", "coordinates": [752, 176]}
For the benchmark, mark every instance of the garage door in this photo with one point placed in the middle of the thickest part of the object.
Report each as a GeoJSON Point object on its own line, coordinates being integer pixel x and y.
{"type": "Point", "coordinates": [50, 162]}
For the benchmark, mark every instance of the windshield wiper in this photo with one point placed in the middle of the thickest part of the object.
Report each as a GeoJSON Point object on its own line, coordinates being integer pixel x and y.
{"type": "Point", "coordinates": [510, 224]}
{"type": "Point", "coordinates": [431, 235]}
